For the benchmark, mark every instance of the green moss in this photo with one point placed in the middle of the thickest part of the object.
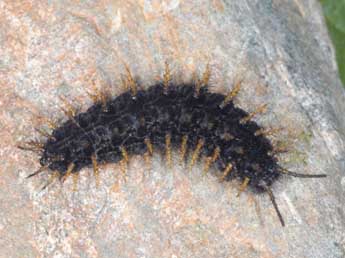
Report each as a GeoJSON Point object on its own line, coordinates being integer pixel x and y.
{"type": "Point", "coordinates": [293, 155]}
{"type": "Point", "coordinates": [305, 137]}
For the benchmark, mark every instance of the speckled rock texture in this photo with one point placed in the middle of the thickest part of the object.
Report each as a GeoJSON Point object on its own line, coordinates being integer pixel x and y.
{"type": "Point", "coordinates": [279, 48]}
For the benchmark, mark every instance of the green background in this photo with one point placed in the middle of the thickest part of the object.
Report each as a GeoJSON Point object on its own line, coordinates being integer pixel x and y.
{"type": "Point", "coordinates": [334, 11]}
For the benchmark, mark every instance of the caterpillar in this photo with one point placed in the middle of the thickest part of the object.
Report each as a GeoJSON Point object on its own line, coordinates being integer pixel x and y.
{"type": "Point", "coordinates": [166, 116]}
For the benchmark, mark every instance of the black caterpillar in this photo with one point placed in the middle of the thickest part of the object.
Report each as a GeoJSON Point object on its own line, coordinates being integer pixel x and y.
{"type": "Point", "coordinates": [166, 116]}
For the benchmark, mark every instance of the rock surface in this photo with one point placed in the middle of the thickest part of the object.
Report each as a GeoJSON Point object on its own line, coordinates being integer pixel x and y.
{"type": "Point", "coordinates": [282, 51]}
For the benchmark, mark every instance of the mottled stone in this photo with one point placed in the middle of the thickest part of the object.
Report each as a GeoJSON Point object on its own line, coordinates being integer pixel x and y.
{"type": "Point", "coordinates": [282, 51]}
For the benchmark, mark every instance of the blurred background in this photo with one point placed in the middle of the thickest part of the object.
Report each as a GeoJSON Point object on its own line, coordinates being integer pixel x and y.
{"type": "Point", "coordinates": [334, 11]}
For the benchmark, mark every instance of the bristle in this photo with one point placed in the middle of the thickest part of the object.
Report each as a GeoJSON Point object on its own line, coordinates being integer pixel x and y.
{"type": "Point", "coordinates": [39, 152]}
{"type": "Point", "coordinates": [226, 172]}
{"type": "Point", "coordinates": [166, 78]}
{"type": "Point", "coordinates": [267, 132]}
{"type": "Point", "coordinates": [149, 145]}
{"type": "Point", "coordinates": [259, 110]}
{"type": "Point", "coordinates": [197, 86]}
{"type": "Point", "coordinates": [125, 85]}
{"type": "Point", "coordinates": [232, 94]}
{"type": "Point", "coordinates": [104, 100]}
{"type": "Point", "coordinates": [124, 162]}
{"type": "Point", "coordinates": [272, 198]}
{"type": "Point", "coordinates": [148, 161]}
{"type": "Point", "coordinates": [148, 154]}
{"type": "Point", "coordinates": [95, 169]}
{"type": "Point", "coordinates": [35, 144]}
{"type": "Point", "coordinates": [124, 153]}
{"type": "Point", "coordinates": [97, 96]}
{"type": "Point", "coordinates": [294, 174]}
{"type": "Point", "coordinates": [69, 110]}
{"type": "Point", "coordinates": [278, 149]}
{"type": "Point", "coordinates": [208, 162]}
{"type": "Point", "coordinates": [75, 181]}
{"type": "Point", "coordinates": [94, 96]}
{"type": "Point", "coordinates": [168, 149]}
{"type": "Point", "coordinates": [50, 123]}
{"type": "Point", "coordinates": [196, 153]}
{"type": "Point", "coordinates": [203, 82]}
{"type": "Point", "coordinates": [44, 133]}
{"type": "Point", "coordinates": [51, 179]}
{"type": "Point", "coordinates": [26, 148]}
{"type": "Point", "coordinates": [183, 149]}
{"type": "Point", "coordinates": [40, 170]}
{"type": "Point", "coordinates": [243, 186]}
{"type": "Point", "coordinates": [130, 81]}
{"type": "Point", "coordinates": [206, 75]}
{"type": "Point", "coordinates": [68, 172]}
{"type": "Point", "coordinates": [211, 159]}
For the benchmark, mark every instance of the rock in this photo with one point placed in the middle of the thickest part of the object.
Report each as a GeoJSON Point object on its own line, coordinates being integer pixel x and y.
{"type": "Point", "coordinates": [280, 49]}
